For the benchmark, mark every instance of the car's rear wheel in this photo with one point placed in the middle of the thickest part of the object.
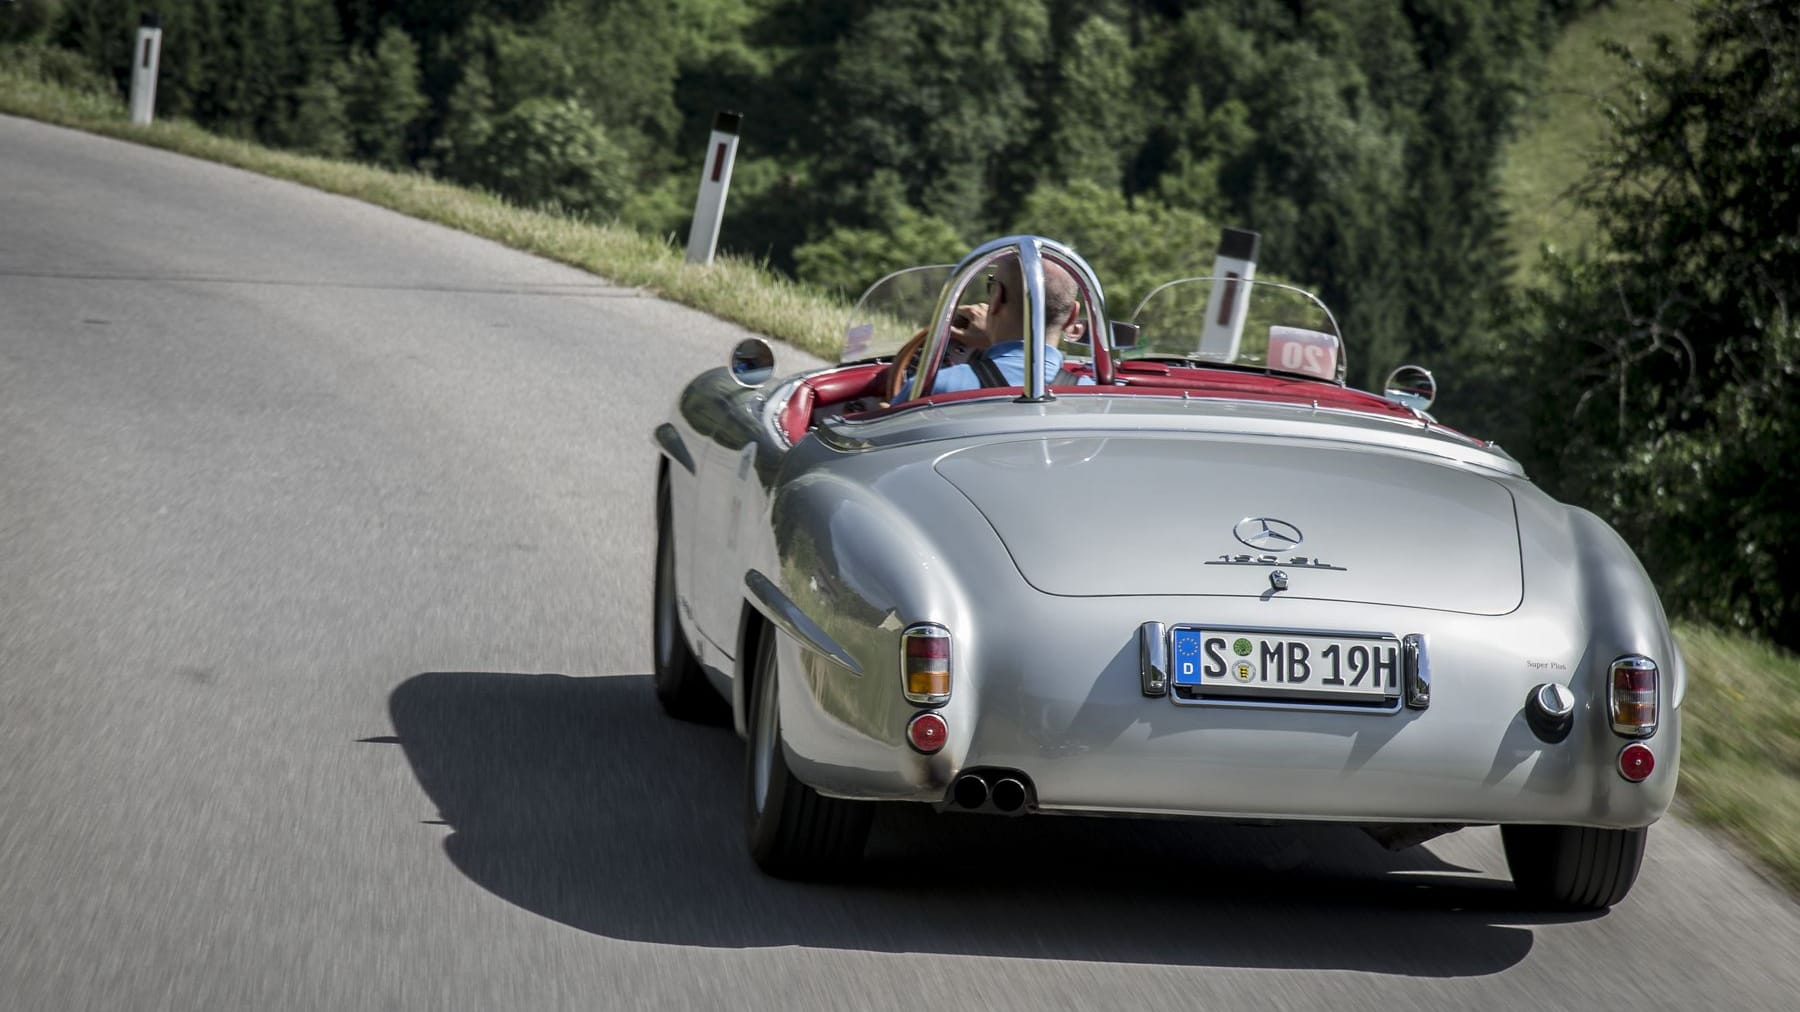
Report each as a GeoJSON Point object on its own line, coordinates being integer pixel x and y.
{"type": "Point", "coordinates": [793, 830]}
{"type": "Point", "coordinates": [1574, 866]}
{"type": "Point", "coordinates": [681, 686]}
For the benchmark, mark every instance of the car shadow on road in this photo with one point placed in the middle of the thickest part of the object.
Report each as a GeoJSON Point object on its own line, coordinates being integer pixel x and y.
{"type": "Point", "coordinates": [577, 799]}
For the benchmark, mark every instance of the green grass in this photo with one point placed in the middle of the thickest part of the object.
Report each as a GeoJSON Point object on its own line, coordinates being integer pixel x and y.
{"type": "Point", "coordinates": [1741, 733]}
{"type": "Point", "coordinates": [1563, 129]}
{"type": "Point", "coordinates": [1740, 744]}
{"type": "Point", "coordinates": [731, 288]}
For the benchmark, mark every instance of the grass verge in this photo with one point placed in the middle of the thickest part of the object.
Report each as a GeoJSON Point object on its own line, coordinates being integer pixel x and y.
{"type": "Point", "coordinates": [1740, 744]}
{"type": "Point", "coordinates": [731, 288]}
{"type": "Point", "coordinates": [1741, 734]}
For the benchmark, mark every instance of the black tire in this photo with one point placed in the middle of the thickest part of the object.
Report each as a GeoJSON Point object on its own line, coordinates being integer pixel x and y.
{"type": "Point", "coordinates": [681, 685]}
{"type": "Point", "coordinates": [793, 831]}
{"type": "Point", "coordinates": [1573, 866]}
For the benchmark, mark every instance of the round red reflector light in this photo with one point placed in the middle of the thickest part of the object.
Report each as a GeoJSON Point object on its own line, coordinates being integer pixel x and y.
{"type": "Point", "coordinates": [1636, 762]}
{"type": "Point", "coordinates": [927, 733]}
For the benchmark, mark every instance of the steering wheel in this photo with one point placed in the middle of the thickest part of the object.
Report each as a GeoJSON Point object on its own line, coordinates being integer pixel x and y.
{"type": "Point", "coordinates": [895, 376]}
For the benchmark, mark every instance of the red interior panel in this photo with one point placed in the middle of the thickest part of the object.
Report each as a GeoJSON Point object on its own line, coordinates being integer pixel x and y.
{"type": "Point", "coordinates": [1140, 378]}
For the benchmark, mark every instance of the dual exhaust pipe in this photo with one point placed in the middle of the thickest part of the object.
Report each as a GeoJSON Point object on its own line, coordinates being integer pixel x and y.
{"type": "Point", "coordinates": [1005, 791]}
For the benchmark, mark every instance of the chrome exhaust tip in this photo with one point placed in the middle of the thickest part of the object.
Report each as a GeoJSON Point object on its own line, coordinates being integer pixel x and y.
{"type": "Point", "coordinates": [1009, 795]}
{"type": "Point", "coordinates": [969, 791]}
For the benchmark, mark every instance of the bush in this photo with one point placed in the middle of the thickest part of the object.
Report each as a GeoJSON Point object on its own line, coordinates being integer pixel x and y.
{"type": "Point", "coordinates": [552, 152]}
{"type": "Point", "coordinates": [383, 99]}
{"type": "Point", "coordinates": [27, 20]}
{"type": "Point", "coordinates": [849, 259]}
{"type": "Point", "coordinates": [60, 68]}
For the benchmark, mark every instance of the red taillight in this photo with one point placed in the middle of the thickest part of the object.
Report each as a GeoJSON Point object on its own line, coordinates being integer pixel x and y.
{"type": "Point", "coordinates": [925, 664]}
{"type": "Point", "coordinates": [925, 646]}
{"type": "Point", "coordinates": [1631, 695]}
{"type": "Point", "coordinates": [927, 733]}
{"type": "Point", "coordinates": [1636, 762]}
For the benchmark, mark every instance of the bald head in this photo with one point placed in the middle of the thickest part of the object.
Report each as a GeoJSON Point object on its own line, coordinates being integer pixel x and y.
{"type": "Point", "coordinates": [1006, 307]}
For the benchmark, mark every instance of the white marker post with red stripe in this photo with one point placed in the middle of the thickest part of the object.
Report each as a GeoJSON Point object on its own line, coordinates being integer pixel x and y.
{"type": "Point", "coordinates": [1225, 306]}
{"type": "Point", "coordinates": [144, 60]}
{"type": "Point", "coordinates": [715, 179]}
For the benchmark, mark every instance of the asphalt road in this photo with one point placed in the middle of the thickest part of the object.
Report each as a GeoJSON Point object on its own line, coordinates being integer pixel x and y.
{"type": "Point", "coordinates": [325, 545]}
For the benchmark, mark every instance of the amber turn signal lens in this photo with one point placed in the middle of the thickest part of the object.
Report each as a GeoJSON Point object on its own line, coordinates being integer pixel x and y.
{"type": "Point", "coordinates": [928, 683]}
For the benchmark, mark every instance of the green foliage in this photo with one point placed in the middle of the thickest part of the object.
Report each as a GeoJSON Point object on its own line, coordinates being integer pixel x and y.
{"type": "Point", "coordinates": [383, 98]}
{"type": "Point", "coordinates": [551, 152]}
{"type": "Point", "coordinates": [1132, 248]}
{"type": "Point", "coordinates": [1093, 125]}
{"type": "Point", "coordinates": [27, 20]}
{"type": "Point", "coordinates": [848, 259]}
{"type": "Point", "coordinates": [1563, 131]}
{"type": "Point", "coordinates": [1740, 743]}
{"type": "Point", "coordinates": [466, 125]}
{"type": "Point", "coordinates": [59, 68]}
{"type": "Point", "coordinates": [319, 122]}
{"type": "Point", "coordinates": [939, 101]}
{"type": "Point", "coordinates": [666, 209]}
{"type": "Point", "coordinates": [1666, 366]}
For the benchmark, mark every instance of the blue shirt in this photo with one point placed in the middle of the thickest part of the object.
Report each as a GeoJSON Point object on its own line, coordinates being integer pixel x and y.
{"type": "Point", "coordinates": [1009, 356]}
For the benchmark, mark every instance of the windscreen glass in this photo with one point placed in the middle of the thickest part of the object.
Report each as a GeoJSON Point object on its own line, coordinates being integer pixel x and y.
{"type": "Point", "coordinates": [893, 310]}
{"type": "Point", "coordinates": [1250, 324]}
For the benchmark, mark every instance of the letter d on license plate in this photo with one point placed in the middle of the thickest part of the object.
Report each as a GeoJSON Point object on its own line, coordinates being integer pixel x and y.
{"type": "Point", "coordinates": [1284, 666]}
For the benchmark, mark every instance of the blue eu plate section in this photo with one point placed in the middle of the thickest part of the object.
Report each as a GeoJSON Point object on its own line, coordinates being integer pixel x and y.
{"type": "Point", "coordinates": [1187, 657]}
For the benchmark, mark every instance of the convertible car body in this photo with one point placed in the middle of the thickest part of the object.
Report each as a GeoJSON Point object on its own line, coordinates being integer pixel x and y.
{"type": "Point", "coordinates": [1216, 582]}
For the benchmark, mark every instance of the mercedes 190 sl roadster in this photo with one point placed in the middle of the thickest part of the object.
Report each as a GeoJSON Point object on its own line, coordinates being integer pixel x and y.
{"type": "Point", "coordinates": [1187, 573]}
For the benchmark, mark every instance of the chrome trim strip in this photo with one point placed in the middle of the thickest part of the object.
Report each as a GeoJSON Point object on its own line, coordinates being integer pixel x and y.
{"type": "Point", "coordinates": [1270, 560]}
{"type": "Point", "coordinates": [1031, 268]}
{"type": "Point", "coordinates": [787, 616]}
{"type": "Point", "coordinates": [1269, 704]}
{"type": "Point", "coordinates": [670, 442]}
{"type": "Point", "coordinates": [1417, 667]}
{"type": "Point", "coordinates": [1153, 658]}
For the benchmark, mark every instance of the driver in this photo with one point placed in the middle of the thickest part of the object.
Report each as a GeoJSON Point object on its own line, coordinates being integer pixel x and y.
{"type": "Point", "coordinates": [995, 332]}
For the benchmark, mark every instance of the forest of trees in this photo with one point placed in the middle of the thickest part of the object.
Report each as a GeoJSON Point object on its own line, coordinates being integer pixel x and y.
{"type": "Point", "coordinates": [1649, 379]}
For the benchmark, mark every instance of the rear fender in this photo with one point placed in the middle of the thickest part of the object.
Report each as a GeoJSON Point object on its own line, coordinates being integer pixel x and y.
{"type": "Point", "coordinates": [860, 568]}
{"type": "Point", "coordinates": [1625, 616]}
{"type": "Point", "coordinates": [1624, 613]}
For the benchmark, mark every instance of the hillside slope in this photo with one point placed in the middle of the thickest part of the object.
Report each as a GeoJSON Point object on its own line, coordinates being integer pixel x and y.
{"type": "Point", "coordinates": [1564, 130]}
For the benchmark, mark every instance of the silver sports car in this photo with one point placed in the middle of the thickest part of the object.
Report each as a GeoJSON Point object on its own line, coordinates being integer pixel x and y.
{"type": "Point", "coordinates": [1179, 569]}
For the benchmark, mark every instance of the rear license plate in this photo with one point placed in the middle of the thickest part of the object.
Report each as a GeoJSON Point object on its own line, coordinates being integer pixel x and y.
{"type": "Point", "coordinates": [1283, 666]}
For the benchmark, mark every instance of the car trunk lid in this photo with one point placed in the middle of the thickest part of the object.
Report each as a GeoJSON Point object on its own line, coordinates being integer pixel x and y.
{"type": "Point", "coordinates": [1196, 515]}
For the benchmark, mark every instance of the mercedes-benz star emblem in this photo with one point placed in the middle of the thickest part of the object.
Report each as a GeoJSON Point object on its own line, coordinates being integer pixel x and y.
{"type": "Point", "coordinates": [1268, 534]}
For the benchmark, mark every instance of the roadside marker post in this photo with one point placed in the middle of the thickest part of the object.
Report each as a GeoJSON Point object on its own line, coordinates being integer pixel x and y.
{"type": "Point", "coordinates": [715, 180]}
{"type": "Point", "coordinates": [145, 58]}
{"type": "Point", "coordinates": [1225, 306]}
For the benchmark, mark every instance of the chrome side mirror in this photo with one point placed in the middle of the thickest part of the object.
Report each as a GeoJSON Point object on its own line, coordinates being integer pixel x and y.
{"type": "Point", "coordinates": [752, 362]}
{"type": "Point", "coordinates": [1411, 386]}
{"type": "Point", "coordinates": [1125, 335]}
